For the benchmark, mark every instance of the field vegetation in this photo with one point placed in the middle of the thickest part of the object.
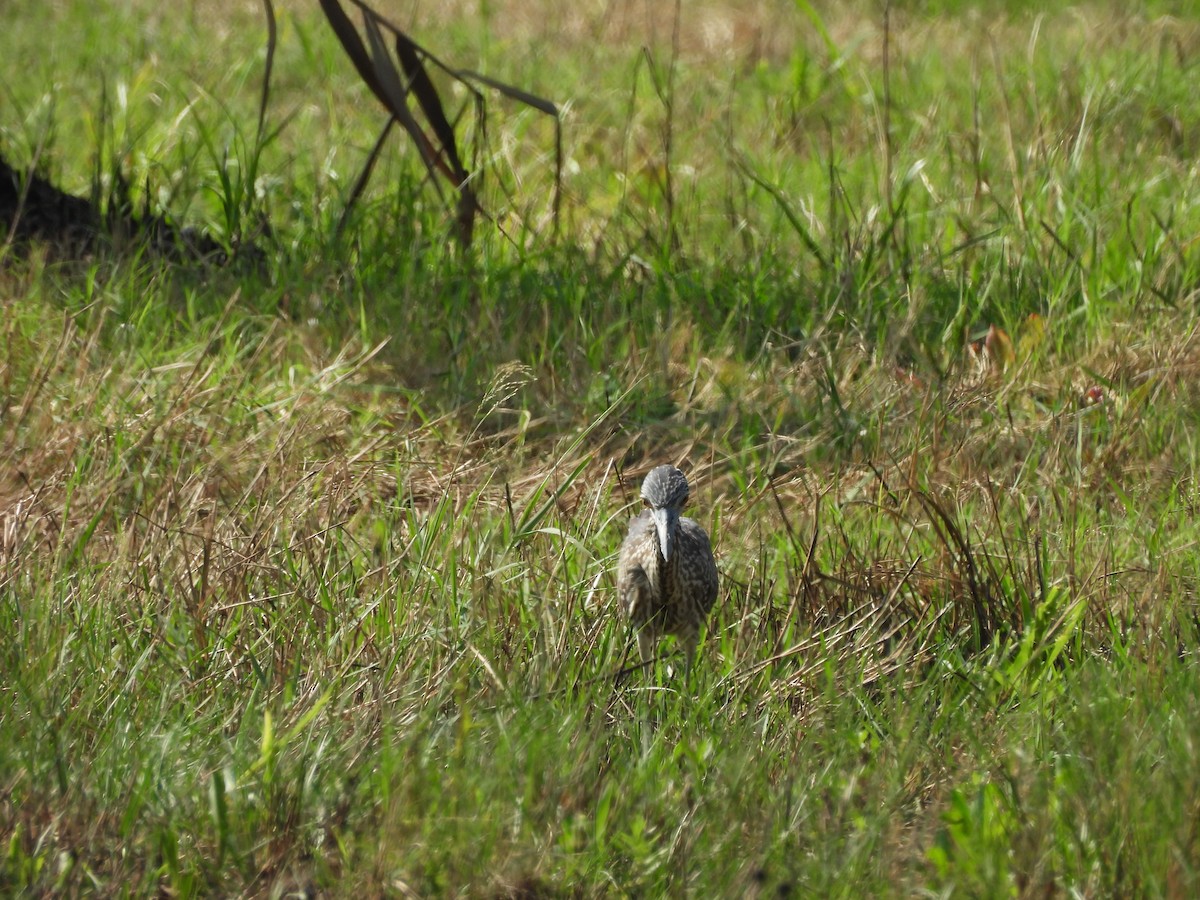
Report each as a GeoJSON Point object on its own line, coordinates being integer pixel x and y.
{"type": "Point", "coordinates": [306, 548]}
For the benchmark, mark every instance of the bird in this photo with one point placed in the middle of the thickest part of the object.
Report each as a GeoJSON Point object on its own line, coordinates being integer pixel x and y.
{"type": "Point", "coordinates": [666, 574]}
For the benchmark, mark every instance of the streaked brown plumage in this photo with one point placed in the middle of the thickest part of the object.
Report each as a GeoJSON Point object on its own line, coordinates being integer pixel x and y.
{"type": "Point", "coordinates": [666, 574]}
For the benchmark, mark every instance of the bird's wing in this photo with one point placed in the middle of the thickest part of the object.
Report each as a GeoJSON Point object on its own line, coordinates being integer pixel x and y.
{"type": "Point", "coordinates": [633, 587]}
{"type": "Point", "coordinates": [633, 584]}
{"type": "Point", "coordinates": [696, 544]}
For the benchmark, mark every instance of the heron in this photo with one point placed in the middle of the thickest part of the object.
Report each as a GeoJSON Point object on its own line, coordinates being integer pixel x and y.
{"type": "Point", "coordinates": [666, 574]}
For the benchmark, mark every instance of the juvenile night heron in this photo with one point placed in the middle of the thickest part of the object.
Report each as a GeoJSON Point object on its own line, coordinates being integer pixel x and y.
{"type": "Point", "coordinates": [666, 574]}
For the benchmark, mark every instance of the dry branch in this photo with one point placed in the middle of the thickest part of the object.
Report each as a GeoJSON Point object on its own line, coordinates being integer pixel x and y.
{"type": "Point", "coordinates": [392, 84]}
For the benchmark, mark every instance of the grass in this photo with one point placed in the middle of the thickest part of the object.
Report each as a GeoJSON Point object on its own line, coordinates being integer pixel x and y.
{"type": "Point", "coordinates": [306, 565]}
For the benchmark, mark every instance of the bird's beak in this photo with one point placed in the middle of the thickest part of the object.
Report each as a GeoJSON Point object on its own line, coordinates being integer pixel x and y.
{"type": "Point", "coordinates": [665, 521]}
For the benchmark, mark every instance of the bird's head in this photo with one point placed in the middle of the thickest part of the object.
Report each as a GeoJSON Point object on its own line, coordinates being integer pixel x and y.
{"type": "Point", "coordinates": [665, 492]}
